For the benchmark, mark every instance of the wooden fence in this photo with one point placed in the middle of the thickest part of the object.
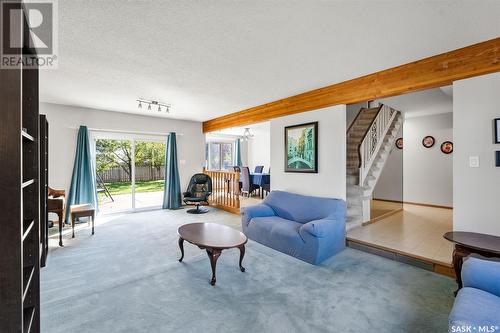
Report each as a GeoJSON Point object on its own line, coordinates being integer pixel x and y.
{"type": "Point", "coordinates": [225, 190]}
{"type": "Point", "coordinates": [142, 173]}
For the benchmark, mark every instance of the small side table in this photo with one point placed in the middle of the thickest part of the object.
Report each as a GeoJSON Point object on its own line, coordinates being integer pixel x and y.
{"type": "Point", "coordinates": [467, 243]}
{"type": "Point", "coordinates": [84, 210]}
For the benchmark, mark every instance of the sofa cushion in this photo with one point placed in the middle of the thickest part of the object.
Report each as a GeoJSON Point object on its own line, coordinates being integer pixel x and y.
{"type": "Point", "coordinates": [475, 307]}
{"type": "Point", "coordinates": [303, 208]}
{"type": "Point", "coordinates": [275, 230]}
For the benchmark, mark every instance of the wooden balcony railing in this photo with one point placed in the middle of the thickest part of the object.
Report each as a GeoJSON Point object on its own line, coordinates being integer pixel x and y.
{"type": "Point", "coordinates": [225, 190]}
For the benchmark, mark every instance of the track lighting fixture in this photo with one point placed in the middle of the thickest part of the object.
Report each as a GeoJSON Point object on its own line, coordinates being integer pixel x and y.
{"type": "Point", "coordinates": [161, 106]}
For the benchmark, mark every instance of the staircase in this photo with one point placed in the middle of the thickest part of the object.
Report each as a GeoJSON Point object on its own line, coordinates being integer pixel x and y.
{"type": "Point", "coordinates": [370, 140]}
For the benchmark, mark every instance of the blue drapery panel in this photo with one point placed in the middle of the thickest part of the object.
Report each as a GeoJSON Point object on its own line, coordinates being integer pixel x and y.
{"type": "Point", "coordinates": [83, 186]}
{"type": "Point", "coordinates": [172, 189]}
{"type": "Point", "coordinates": [238, 153]}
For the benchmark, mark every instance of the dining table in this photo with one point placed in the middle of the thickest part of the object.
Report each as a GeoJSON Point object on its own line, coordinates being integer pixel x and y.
{"type": "Point", "coordinates": [260, 179]}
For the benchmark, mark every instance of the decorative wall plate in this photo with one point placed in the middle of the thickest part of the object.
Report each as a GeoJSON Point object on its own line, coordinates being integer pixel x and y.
{"type": "Point", "coordinates": [399, 143]}
{"type": "Point", "coordinates": [428, 141]}
{"type": "Point", "coordinates": [447, 147]}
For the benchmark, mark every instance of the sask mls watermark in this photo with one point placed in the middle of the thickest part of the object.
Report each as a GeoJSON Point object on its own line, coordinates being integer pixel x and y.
{"type": "Point", "coordinates": [29, 34]}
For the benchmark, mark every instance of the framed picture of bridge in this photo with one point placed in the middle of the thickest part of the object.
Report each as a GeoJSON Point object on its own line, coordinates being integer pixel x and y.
{"type": "Point", "coordinates": [301, 148]}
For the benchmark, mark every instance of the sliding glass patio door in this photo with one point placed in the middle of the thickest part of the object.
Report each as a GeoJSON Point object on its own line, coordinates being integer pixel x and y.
{"type": "Point", "coordinates": [114, 175]}
{"type": "Point", "coordinates": [130, 172]}
{"type": "Point", "coordinates": [149, 173]}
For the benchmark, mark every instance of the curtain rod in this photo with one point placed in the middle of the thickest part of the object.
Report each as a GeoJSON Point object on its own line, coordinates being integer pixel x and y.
{"type": "Point", "coordinates": [126, 132]}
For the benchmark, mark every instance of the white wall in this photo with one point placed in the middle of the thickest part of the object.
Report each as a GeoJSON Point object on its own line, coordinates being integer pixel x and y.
{"type": "Point", "coordinates": [476, 195]}
{"type": "Point", "coordinates": [427, 173]}
{"type": "Point", "coordinates": [259, 148]}
{"type": "Point", "coordinates": [64, 121]}
{"type": "Point", "coordinates": [330, 181]}
{"type": "Point", "coordinates": [390, 184]}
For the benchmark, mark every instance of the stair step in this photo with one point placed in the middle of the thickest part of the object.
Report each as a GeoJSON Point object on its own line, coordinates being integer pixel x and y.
{"type": "Point", "coordinates": [352, 180]}
{"type": "Point", "coordinates": [355, 211]}
{"type": "Point", "coordinates": [357, 134]}
{"type": "Point", "coordinates": [352, 223]}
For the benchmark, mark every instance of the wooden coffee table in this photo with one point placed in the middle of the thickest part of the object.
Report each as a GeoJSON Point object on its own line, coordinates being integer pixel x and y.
{"type": "Point", "coordinates": [213, 238]}
{"type": "Point", "coordinates": [467, 243]}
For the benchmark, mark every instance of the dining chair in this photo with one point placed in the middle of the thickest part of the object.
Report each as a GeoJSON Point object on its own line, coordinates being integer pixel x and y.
{"type": "Point", "coordinates": [247, 186]}
{"type": "Point", "coordinates": [259, 169]}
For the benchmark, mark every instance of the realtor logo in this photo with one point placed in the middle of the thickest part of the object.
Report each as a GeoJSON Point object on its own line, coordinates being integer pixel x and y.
{"type": "Point", "coordinates": [29, 34]}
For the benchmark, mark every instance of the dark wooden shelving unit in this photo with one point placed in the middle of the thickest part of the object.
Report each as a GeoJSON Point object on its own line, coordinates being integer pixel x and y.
{"type": "Point", "coordinates": [19, 198]}
{"type": "Point", "coordinates": [44, 188]}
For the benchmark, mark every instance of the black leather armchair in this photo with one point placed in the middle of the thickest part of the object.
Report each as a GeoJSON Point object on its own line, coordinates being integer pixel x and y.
{"type": "Point", "coordinates": [198, 191]}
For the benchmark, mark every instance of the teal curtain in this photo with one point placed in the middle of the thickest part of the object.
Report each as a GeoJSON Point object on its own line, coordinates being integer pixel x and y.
{"type": "Point", "coordinates": [83, 185]}
{"type": "Point", "coordinates": [172, 188]}
{"type": "Point", "coordinates": [238, 153]}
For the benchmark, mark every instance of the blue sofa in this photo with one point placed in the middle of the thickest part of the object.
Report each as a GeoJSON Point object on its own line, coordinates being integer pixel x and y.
{"type": "Point", "coordinates": [478, 303]}
{"type": "Point", "coordinates": [308, 228]}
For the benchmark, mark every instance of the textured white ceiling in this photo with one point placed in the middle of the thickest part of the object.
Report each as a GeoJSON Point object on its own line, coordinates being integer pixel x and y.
{"type": "Point", "coordinates": [210, 58]}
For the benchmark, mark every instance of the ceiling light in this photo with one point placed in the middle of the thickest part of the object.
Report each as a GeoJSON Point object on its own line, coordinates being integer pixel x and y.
{"type": "Point", "coordinates": [247, 135]}
{"type": "Point", "coordinates": [162, 107]}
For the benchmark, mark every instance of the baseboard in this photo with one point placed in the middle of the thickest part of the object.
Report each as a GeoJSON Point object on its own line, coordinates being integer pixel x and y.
{"type": "Point", "coordinates": [387, 200]}
{"type": "Point", "coordinates": [383, 216]}
{"type": "Point", "coordinates": [415, 203]}
{"type": "Point", "coordinates": [426, 205]}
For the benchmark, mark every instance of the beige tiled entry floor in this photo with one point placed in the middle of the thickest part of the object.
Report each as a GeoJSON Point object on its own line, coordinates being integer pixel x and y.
{"type": "Point", "coordinates": [416, 231]}
{"type": "Point", "coordinates": [380, 207]}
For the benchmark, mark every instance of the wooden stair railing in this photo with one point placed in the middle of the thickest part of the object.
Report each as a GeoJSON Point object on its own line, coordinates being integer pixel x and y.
{"type": "Point", "coordinates": [225, 190]}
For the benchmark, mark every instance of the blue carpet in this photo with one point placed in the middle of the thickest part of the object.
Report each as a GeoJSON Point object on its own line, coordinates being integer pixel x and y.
{"type": "Point", "coordinates": [126, 278]}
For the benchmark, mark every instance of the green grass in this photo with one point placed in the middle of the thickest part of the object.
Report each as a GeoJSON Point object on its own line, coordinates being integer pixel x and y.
{"type": "Point", "coordinates": [140, 187]}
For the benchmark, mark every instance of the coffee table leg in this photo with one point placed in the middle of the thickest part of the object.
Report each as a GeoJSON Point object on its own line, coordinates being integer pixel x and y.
{"type": "Point", "coordinates": [72, 226]}
{"type": "Point", "coordinates": [213, 255]}
{"type": "Point", "coordinates": [242, 254]}
{"type": "Point", "coordinates": [459, 253]}
{"type": "Point", "coordinates": [181, 246]}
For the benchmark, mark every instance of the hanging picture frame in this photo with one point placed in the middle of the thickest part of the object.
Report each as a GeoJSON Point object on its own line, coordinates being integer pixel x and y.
{"type": "Point", "coordinates": [399, 143]}
{"type": "Point", "coordinates": [447, 147]}
{"type": "Point", "coordinates": [428, 141]}
{"type": "Point", "coordinates": [497, 130]}
{"type": "Point", "coordinates": [301, 148]}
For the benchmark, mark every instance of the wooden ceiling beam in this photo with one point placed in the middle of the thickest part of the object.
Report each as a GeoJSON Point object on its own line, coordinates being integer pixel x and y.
{"type": "Point", "coordinates": [436, 71]}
